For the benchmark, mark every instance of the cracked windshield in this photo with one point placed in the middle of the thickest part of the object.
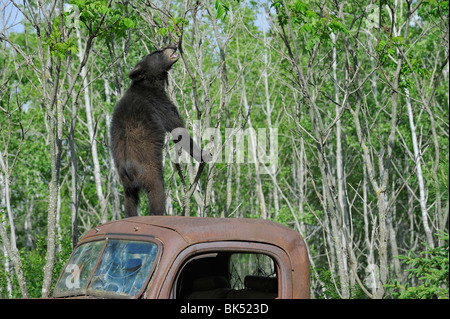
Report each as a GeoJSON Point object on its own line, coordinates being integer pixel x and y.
{"type": "Point", "coordinates": [123, 268]}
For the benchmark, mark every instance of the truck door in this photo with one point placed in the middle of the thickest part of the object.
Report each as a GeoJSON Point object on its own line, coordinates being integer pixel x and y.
{"type": "Point", "coordinates": [229, 270]}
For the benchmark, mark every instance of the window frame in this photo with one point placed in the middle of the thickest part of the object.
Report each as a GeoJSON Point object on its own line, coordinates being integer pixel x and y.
{"type": "Point", "coordinates": [279, 256]}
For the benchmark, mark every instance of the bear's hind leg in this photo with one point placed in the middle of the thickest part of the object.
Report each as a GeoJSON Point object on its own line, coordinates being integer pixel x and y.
{"type": "Point", "coordinates": [156, 197]}
{"type": "Point", "coordinates": [131, 201]}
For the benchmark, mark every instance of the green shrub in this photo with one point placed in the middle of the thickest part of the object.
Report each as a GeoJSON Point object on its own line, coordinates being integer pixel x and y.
{"type": "Point", "coordinates": [33, 262]}
{"type": "Point", "coordinates": [430, 268]}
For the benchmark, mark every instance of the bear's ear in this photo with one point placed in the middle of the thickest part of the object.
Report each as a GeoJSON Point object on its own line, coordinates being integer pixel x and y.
{"type": "Point", "coordinates": [137, 73]}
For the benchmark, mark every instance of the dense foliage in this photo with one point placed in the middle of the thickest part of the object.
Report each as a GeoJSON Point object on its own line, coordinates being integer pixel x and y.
{"type": "Point", "coordinates": [430, 269]}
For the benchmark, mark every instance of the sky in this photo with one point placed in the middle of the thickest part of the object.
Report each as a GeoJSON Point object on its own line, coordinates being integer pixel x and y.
{"type": "Point", "coordinates": [10, 17]}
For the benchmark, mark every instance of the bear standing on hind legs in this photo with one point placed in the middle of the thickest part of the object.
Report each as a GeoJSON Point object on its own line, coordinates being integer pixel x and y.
{"type": "Point", "coordinates": [139, 123]}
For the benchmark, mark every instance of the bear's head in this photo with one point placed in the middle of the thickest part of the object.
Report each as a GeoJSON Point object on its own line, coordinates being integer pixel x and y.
{"type": "Point", "coordinates": [153, 68]}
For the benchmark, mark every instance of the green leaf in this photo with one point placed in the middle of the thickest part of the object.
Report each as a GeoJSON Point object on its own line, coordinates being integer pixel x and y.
{"type": "Point", "coordinates": [338, 26]}
{"type": "Point", "coordinates": [128, 22]}
{"type": "Point", "coordinates": [399, 40]}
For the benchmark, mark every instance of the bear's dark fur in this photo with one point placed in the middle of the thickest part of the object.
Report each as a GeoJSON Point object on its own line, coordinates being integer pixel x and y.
{"type": "Point", "coordinates": [140, 120]}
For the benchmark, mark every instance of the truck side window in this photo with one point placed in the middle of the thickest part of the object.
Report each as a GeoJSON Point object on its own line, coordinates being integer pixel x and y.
{"type": "Point", "coordinates": [227, 275]}
{"type": "Point", "coordinates": [253, 276]}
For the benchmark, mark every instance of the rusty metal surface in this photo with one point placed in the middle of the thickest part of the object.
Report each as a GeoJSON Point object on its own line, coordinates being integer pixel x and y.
{"type": "Point", "coordinates": [179, 232]}
{"type": "Point", "coordinates": [200, 229]}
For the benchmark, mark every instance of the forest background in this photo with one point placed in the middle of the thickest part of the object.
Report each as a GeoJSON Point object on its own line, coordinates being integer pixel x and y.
{"type": "Point", "coordinates": [352, 95]}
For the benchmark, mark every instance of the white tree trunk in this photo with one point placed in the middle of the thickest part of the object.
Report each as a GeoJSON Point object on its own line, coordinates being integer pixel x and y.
{"type": "Point", "coordinates": [92, 137]}
{"type": "Point", "coordinates": [419, 174]}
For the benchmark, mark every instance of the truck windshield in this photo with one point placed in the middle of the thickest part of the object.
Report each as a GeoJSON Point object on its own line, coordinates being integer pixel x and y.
{"type": "Point", "coordinates": [121, 270]}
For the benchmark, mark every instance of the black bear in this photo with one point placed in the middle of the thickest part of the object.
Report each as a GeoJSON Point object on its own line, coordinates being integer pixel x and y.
{"type": "Point", "coordinates": [139, 123]}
